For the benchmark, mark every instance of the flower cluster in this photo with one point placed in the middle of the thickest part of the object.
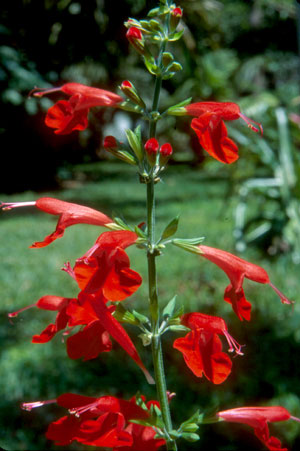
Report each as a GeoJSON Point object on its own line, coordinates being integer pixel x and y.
{"type": "Point", "coordinates": [105, 422]}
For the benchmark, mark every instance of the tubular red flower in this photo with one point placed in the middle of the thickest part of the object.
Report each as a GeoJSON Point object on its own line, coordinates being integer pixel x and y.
{"type": "Point", "coordinates": [103, 422]}
{"type": "Point", "coordinates": [116, 331]}
{"type": "Point", "coordinates": [105, 268]}
{"type": "Point", "coordinates": [211, 130]}
{"type": "Point", "coordinates": [69, 214]}
{"type": "Point", "coordinates": [68, 115]}
{"type": "Point", "coordinates": [213, 324]}
{"type": "Point", "coordinates": [237, 269]}
{"type": "Point", "coordinates": [202, 352]}
{"type": "Point", "coordinates": [258, 418]}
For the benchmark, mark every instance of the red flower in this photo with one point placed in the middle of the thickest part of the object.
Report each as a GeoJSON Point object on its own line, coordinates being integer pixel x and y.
{"type": "Point", "coordinates": [202, 348]}
{"type": "Point", "coordinates": [69, 214]}
{"type": "Point", "coordinates": [88, 343]}
{"type": "Point", "coordinates": [102, 422]}
{"type": "Point", "coordinates": [258, 418]}
{"type": "Point", "coordinates": [211, 130]}
{"type": "Point", "coordinates": [68, 115]}
{"type": "Point", "coordinates": [105, 268]}
{"type": "Point", "coordinates": [237, 269]}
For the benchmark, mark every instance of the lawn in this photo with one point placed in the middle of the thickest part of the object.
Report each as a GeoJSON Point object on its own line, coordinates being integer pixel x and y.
{"type": "Point", "coordinates": [267, 373]}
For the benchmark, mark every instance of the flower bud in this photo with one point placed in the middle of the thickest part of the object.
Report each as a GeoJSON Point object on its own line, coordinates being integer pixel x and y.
{"type": "Point", "coordinates": [136, 39]}
{"type": "Point", "coordinates": [175, 17]}
{"type": "Point", "coordinates": [110, 142]}
{"type": "Point", "coordinates": [165, 153]}
{"type": "Point", "coordinates": [130, 91]}
{"type": "Point", "coordinates": [151, 148]}
{"type": "Point", "coordinates": [116, 148]}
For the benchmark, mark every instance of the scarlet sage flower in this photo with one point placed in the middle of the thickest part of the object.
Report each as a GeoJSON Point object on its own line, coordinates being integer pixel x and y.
{"type": "Point", "coordinates": [101, 422]}
{"type": "Point", "coordinates": [68, 115]}
{"type": "Point", "coordinates": [69, 214]}
{"type": "Point", "coordinates": [105, 268]}
{"type": "Point", "coordinates": [211, 129]}
{"type": "Point", "coordinates": [237, 270]}
{"type": "Point", "coordinates": [258, 418]}
{"type": "Point", "coordinates": [202, 347]}
{"type": "Point", "coordinates": [89, 342]}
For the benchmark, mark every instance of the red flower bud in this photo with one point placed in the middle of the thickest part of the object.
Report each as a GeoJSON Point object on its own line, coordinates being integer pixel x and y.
{"type": "Point", "coordinates": [126, 84]}
{"type": "Point", "coordinates": [177, 12]}
{"type": "Point", "coordinates": [166, 150]}
{"type": "Point", "coordinates": [134, 33]}
{"type": "Point", "coordinates": [165, 153]}
{"type": "Point", "coordinates": [151, 148]}
{"type": "Point", "coordinates": [110, 142]}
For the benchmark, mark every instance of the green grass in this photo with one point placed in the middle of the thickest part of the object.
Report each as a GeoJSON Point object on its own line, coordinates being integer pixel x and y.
{"type": "Point", "coordinates": [267, 373]}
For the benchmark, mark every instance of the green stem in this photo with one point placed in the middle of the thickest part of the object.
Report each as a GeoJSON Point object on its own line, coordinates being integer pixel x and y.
{"type": "Point", "coordinates": [157, 354]}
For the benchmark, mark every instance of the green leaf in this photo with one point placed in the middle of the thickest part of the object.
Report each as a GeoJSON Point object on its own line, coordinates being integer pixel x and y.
{"type": "Point", "coordinates": [176, 36]}
{"type": "Point", "coordinates": [170, 229]}
{"type": "Point", "coordinates": [135, 143]}
{"type": "Point", "coordinates": [169, 308]}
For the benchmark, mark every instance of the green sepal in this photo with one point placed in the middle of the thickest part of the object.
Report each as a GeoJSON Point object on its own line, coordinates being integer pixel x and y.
{"type": "Point", "coordinates": [155, 25]}
{"type": "Point", "coordinates": [167, 58]}
{"type": "Point", "coordinates": [122, 224]}
{"type": "Point", "coordinates": [160, 11]}
{"type": "Point", "coordinates": [169, 308]}
{"type": "Point", "coordinates": [171, 228]}
{"type": "Point", "coordinates": [140, 232]}
{"type": "Point", "coordinates": [146, 339]}
{"type": "Point", "coordinates": [179, 328]}
{"type": "Point", "coordinates": [124, 156]}
{"type": "Point", "coordinates": [191, 427]}
{"type": "Point", "coordinates": [127, 105]}
{"type": "Point", "coordinates": [141, 318]}
{"type": "Point", "coordinates": [178, 109]}
{"type": "Point", "coordinates": [168, 76]}
{"type": "Point", "coordinates": [174, 67]}
{"type": "Point", "coordinates": [190, 436]}
{"type": "Point", "coordinates": [135, 142]}
{"type": "Point", "coordinates": [190, 245]}
{"type": "Point", "coordinates": [174, 320]}
{"type": "Point", "coordinates": [151, 66]}
{"type": "Point", "coordinates": [124, 316]}
{"type": "Point", "coordinates": [176, 36]}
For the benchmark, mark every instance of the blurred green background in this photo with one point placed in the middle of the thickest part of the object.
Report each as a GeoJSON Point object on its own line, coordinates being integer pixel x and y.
{"type": "Point", "coordinates": [231, 51]}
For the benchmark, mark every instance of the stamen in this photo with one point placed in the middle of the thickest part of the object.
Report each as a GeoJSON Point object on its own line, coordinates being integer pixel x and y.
{"type": "Point", "coordinates": [32, 405]}
{"type": "Point", "coordinates": [68, 269]}
{"type": "Point", "coordinates": [295, 419]}
{"type": "Point", "coordinates": [283, 298]}
{"type": "Point", "coordinates": [10, 205]}
{"type": "Point", "coordinates": [250, 123]}
{"type": "Point", "coordinates": [39, 92]}
{"type": "Point", "coordinates": [234, 346]}
{"type": "Point", "coordinates": [14, 314]}
{"type": "Point", "coordinates": [77, 411]}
